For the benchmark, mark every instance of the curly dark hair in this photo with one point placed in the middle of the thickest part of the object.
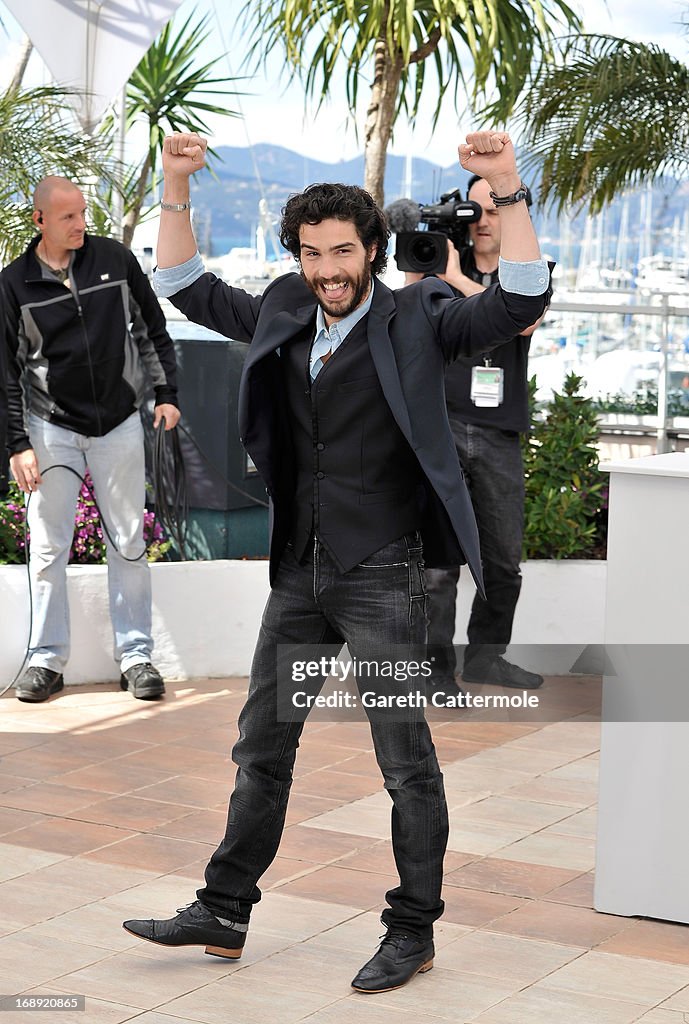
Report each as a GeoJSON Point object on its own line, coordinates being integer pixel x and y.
{"type": "Point", "coordinates": [321, 202]}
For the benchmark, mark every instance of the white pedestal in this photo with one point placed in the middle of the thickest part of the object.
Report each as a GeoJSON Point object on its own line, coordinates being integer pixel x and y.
{"type": "Point", "coordinates": [643, 825]}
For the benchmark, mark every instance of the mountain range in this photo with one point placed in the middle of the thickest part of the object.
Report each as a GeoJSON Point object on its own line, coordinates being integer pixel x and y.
{"type": "Point", "coordinates": [226, 199]}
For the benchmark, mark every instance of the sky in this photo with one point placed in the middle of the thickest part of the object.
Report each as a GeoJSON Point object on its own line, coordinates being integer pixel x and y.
{"type": "Point", "coordinates": [274, 110]}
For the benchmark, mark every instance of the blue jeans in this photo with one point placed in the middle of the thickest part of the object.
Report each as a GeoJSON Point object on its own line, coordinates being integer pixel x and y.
{"type": "Point", "coordinates": [379, 602]}
{"type": "Point", "coordinates": [494, 472]}
{"type": "Point", "coordinates": [116, 464]}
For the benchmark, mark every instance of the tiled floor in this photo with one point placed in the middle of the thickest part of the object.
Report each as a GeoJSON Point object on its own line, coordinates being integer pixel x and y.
{"type": "Point", "coordinates": [109, 808]}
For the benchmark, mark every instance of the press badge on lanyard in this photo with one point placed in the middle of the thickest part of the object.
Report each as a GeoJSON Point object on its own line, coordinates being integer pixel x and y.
{"type": "Point", "coordinates": [487, 385]}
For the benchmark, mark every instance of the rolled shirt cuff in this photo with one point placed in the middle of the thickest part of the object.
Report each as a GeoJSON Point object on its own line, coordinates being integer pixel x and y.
{"type": "Point", "coordinates": [171, 280]}
{"type": "Point", "coordinates": [530, 278]}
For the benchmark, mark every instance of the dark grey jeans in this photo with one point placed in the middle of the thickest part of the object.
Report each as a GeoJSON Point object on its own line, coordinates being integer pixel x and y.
{"type": "Point", "coordinates": [494, 472]}
{"type": "Point", "coordinates": [379, 602]}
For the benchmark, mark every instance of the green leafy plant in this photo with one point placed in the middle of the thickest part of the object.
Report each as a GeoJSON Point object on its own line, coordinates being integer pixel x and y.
{"type": "Point", "coordinates": [38, 136]}
{"type": "Point", "coordinates": [566, 497]}
{"type": "Point", "coordinates": [644, 402]}
{"type": "Point", "coordinates": [168, 92]}
{"type": "Point", "coordinates": [88, 545]}
{"type": "Point", "coordinates": [486, 52]}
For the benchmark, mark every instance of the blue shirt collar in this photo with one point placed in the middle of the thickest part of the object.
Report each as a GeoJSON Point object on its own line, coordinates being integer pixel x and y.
{"type": "Point", "coordinates": [345, 325]}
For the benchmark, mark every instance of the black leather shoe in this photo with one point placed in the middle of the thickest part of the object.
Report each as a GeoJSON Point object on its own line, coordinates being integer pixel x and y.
{"type": "Point", "coordinates": [499, 672]}
{"type": "Point", "coordinates": [398, 959]}
{"type": "Point", "coordinates": [143, 681]}
{"type": "Point", "coordinates": [193, 926]}
{"type": "Point", "coordinates": [39, 683]}
{"type": "Point", "coordinates": [445, 694]}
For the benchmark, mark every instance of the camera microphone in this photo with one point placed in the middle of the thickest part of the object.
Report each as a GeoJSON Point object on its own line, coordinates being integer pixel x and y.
{"type": "Point", "coordinates": [402, 215]}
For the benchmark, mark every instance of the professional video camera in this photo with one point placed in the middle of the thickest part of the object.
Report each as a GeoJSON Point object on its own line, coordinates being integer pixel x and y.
{"type": "Point", "coordinates": [425, 252]}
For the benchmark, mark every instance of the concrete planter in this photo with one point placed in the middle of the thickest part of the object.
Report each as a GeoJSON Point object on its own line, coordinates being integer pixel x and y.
{"type": "Point", "coordinates": [206, 616]}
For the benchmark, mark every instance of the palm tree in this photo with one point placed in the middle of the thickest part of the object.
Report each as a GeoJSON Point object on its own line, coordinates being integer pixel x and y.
{"type": "Point", "coordinates": [168, 92]}
{"type": "Point", "coordinates": [38, 137]}
{"type": "Point", "coordinates": [613, 116]}
{"type": "Point", "coordinates": [485, 48]}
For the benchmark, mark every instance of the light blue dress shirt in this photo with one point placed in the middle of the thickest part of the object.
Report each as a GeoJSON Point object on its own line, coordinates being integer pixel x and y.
{"type": "Point", "coordinates": [530, 278]}
{"type": "Point", "coordinates": [328, 339]}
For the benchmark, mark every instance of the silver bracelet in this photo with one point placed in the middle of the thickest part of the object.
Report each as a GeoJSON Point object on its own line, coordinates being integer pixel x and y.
{"type": "Point", "coordinates": [175, 207]}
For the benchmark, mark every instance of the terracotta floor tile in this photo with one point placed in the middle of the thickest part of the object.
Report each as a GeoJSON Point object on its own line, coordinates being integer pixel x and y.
{"type": "Point", "coordinates": [660, 1016]}
{"type": "Point", "coordinates": [155, 853]}
{"type": "Point", "coordinates": [284, 869]}
{"type": "Point", "coordinates": [146, 982]}
{"type": "Point", "coordinates": [298, 918]}
{"type": "Point", "coordinates": [202, 827]}
{"type": "Point", "coordinates": [679, 1001]}
{"type": "Point", "coordinates": [481, 837]}
{"type": "Point", "coordinates": [487, 733]}
{"type": "Point", "coordinates": [251, 1003]}
{"type": "Point", "coordinates": [315, 753]}
{"type": "Point", "coordinates": [543, 1006]}
{"type": "Point", "coordinates": [49, 798]}
{"type": "Point", "coordinates": [575, 926]}
{"type": "Point", "coordinates": [582, 823]}
{"type": "Point", "coordinates": [18, 860]}
{"type": "Point", "coordinates": [359, 763]}
{"type": "Point", "coordinates": [42, 762]}
{"type": "Point", "coordinates": [546, 847]}
{"type": "Point", "coordinates": [131, 812]}
{"type": "Point", "coordinates": [476, 909]}
{"type": "Point", "coordinates": [95, 881]}
{"type": "Point", "coordinates": [620, 977]}
{"type": "Point", "coordinates": [33, 959]}
{"type": "Point", "coordinates": [514, 758]}
{"type": "Point", "coordinates": [334, 884]}
{"type": "Point", "coordinates": [509, 957]}
{"type": "Point", "coordinates": [448, 995]}
{"type": "Point", "coordinates": [466, 776]}
{"type": "Point", "coordinates": [183, 789]}
{"type": "Point", "coordinates": [27, 901]}
{"type": "Point", "coordinates": [12, 819]}
{"type": "Point", "coordinates": [68, 836]}
{"type": "Point", "coordinates": [337, 785]}
{"type": "Point", "coordinates": [508, 810]}
{"type": "Point", "coordinates": [360, 1009]}
{"type": "Point", "coordinates": [577, 893]}
{"type": "Point", "coordinates": [450, 750]}
{"type": "Point", "coordinates": [511, 878]}
{"type": "Point", "coordinates": [114, 777]}
{"type": "Point", "coordinates": [579, 738]}
{"type": "Point", "coordinates": [304, 807]}
{"type": "Point", "coordinates": [546, 789]}
{"type": "Point", "coordinates": [348, 734]}
{"type": "Point", "coordinates": [11, 783]}
{"type": "Point", "coordinates": [321, 845]}
{"type": "Point", "coordinates": [95, 924]}
{"type": "Point", "coordinates": [654, 940]}
{"type": "Point", "coordinates": [98, 1011]}
{"type": "Point", "coordinates": [174, 759]}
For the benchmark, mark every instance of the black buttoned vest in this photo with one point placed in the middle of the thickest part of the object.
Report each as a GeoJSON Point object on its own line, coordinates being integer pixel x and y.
{"type": "Point", "coordinates": [357, 479]}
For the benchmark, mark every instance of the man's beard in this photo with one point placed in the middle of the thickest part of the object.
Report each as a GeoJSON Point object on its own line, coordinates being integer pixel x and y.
{"type": "Point", "coordinates": [358, 289]}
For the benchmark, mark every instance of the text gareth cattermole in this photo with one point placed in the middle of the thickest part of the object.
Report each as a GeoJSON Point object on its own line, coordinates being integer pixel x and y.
{"type": "Point", "coordinates": [369, 669]}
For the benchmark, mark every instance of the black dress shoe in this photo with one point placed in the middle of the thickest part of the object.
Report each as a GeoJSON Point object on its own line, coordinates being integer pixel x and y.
{"type": "Point", "coordinates": [499, 672]}
{"type": "Point", "coordinates": [398, 959]}
{"type": "Point", "coordinates": [194, 926]}
{"type": "Point", "coordinates": [39, 683]}
{"type": "Point", "coordinates": [443, 694]}
{"type": "Point", "coordinates": [143, 681]}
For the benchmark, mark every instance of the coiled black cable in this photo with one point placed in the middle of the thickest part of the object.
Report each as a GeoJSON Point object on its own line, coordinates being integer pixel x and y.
{"type": "Point", "coordinates": [171, 504]}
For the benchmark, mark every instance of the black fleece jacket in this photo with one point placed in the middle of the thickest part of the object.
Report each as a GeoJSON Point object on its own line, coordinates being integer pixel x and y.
{"type": "Point", "coordinates": [85, 349]}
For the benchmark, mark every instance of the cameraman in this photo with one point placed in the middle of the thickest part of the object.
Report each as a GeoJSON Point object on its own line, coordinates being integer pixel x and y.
{"type": "Point", "coordinates": [487, 413]}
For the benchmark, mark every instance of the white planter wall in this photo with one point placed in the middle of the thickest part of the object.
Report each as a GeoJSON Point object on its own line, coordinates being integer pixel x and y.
{"type": "Point", "coordinates": [206, 617]}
